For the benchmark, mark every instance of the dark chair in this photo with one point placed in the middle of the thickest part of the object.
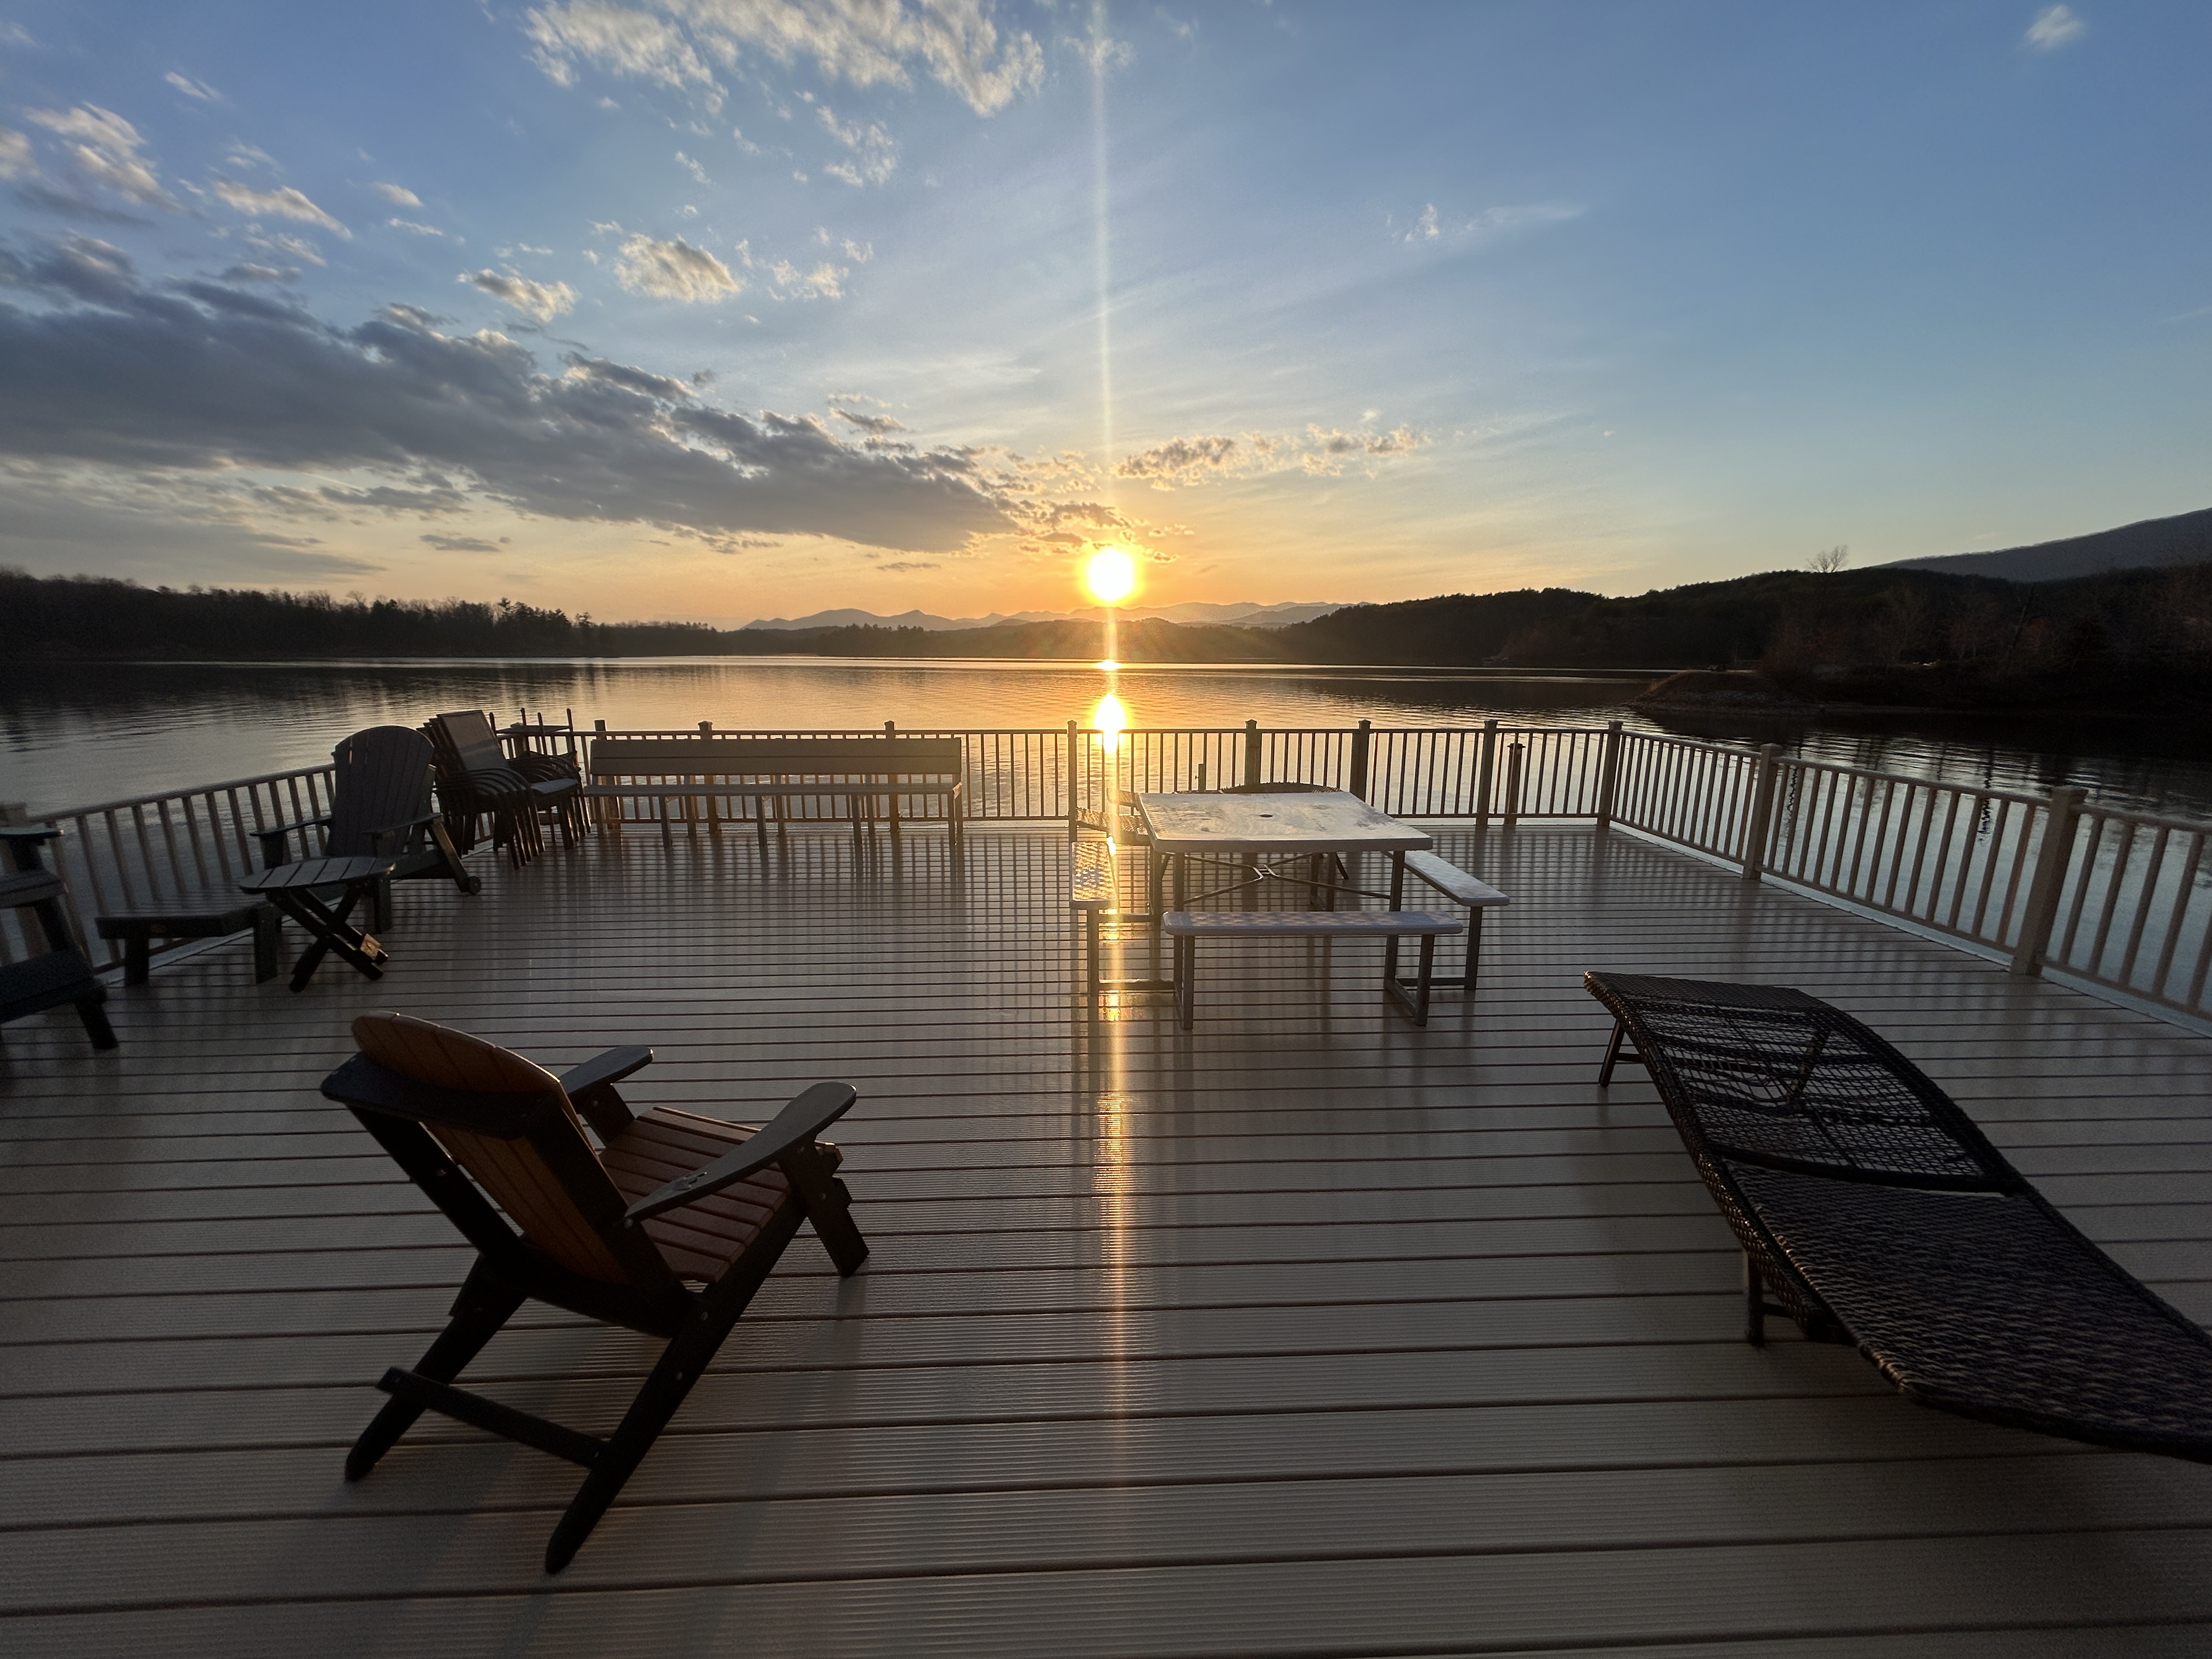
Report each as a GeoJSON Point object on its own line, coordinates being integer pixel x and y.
{"type": "Point", "coordinates": [1881, 1217]}
{"type": "Point", "coordinates": [619, 1233]}
{"type": "Point", "coordinates": [478, 777]}
{"type": "Point", "coordinates": [60, 973]}
{"type": "Point", "coordinates": [379, 808]}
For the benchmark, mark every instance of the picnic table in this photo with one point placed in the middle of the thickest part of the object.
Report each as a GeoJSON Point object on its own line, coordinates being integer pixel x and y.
{"type": "Point", "coordinates": [1243, 838]}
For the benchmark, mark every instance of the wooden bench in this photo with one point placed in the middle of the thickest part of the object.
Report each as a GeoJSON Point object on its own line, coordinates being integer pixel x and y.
{"type": "Point", "coordinates": [1454, 884]}
{"type": "Point", "coordinates": [1187, 927]}
{"type": "Point", "coordinates": [212, 916]}
{"type": "Point", "coordinates": [773, 771]}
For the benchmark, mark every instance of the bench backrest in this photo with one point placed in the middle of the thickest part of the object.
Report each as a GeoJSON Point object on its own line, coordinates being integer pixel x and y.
{"type": "Point", "coordinates": [714, 757]}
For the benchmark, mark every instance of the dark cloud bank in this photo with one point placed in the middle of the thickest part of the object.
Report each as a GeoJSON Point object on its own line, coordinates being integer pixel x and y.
{"type": "Point", "coordinates": [104, 368]}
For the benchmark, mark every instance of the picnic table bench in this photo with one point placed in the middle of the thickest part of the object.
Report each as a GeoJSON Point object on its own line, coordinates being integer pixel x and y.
{"type": "Point", "coordinates": [769, 773]}
{"type": "Point", "coordinates": [1880, 1216]}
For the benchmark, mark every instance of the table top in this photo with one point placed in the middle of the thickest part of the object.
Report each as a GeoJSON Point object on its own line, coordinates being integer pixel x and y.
{"type": "Point", "coordinates": [1332, 821]}
{"type": "Point", "coordinates": [313, 872]}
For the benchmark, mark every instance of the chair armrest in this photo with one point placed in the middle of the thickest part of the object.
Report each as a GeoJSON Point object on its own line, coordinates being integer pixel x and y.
{"type": "Point", "coordinates": [600, 1070]}
{"type": "Point", "coordinates": [398, 830]}
{"type": "Point", "coordinates": [272, 840]}
{"type": "Point", "coordinates": [23, 841]}
{"type": "Point", "coordinates": [795, 1126]}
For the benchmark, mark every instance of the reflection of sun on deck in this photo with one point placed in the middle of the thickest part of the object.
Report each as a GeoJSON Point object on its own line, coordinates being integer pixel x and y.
{"type": "Point", "coordinates": [1309, 1332]}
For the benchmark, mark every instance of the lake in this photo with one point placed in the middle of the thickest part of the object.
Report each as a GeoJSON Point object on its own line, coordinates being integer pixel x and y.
{"type": "Point", "coordinates": [73, 734]}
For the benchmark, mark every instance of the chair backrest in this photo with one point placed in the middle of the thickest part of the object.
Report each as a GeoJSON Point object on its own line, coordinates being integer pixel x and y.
{"type": "Point", "coordinates": [710, 755]}
{"type": "Point", "coordinates": [383, 778]}
{"type": "Point", "coordinates": [550, 1181]}
{"type": "Point", "coordinates": [468, 733]}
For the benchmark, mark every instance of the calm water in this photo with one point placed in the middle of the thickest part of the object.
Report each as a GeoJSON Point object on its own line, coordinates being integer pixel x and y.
{"type": "Point", "coordinates": [74, 734]}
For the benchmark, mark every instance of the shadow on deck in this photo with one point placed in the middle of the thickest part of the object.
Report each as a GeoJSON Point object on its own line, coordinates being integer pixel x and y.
{"type": "Point", "coordinates": [1308, 1333]}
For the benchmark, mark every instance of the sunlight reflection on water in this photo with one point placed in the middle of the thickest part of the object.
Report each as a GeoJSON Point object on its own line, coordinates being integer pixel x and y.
{"type": "Point", "coordinates": [75, 733]}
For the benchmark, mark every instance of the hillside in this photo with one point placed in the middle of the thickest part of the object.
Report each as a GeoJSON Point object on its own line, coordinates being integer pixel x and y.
{"type": "Point", "coordinates": [2184, 538]}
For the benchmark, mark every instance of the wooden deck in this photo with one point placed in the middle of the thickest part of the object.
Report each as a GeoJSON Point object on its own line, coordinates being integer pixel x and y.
{"type": "Point", "coordinates": [1310, 1333]}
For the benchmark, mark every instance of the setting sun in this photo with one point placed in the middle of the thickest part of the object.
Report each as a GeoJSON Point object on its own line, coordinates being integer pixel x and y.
{"type": "Point", "coordinates": [1111, 576]}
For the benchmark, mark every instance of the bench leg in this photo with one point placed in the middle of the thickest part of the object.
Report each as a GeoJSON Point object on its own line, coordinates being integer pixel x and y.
{"type": "Point", "coordinates": [138, 953]}
{"type": "Point", "coordinates": [1186, 978]}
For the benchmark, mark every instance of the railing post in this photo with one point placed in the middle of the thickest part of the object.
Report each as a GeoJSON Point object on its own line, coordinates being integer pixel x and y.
{"type": "Point", "coordinates": [1514, 755]}
{"type": "Point", "coordinates": [2051, 867]}
{"type": "Point", "coordinates": [1359, 740]}
{"type": "Point", "coordinates": [598, 726]}
{"type": "Point", "coordinates": [705, 728]}
{"type": "Point", "coordinates": [1608, 773]}
{"type": "Point", "coordinates": [1074, 790]}
{"type": "Point", "coordinates": [1762, 811]}
{"type": "Point", "coordinates": [1251, 754]}
{"type": "Point", "coordinates": [1485, 768]}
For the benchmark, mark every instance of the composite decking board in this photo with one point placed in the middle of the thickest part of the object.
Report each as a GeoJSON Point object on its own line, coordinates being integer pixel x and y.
{"type": "Point", "coordinates": [1107, 1258]}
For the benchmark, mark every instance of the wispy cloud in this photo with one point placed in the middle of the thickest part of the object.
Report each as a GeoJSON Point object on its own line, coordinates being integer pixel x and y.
{"type": "Point", "coordinates": [1492, 224]}
{"type": "Point", "coordinates": [692, 168]}
{"type": "Point", "coordinates": [863, 42]}
{"type": "Point", "coordinates": [2053, 28]}
{"type": "Point", "coordinates": [417, 227]}
{"type": "Point", "coordinates": [398, 195]}
{"type": "Point", "coordinates": [544, 300]}
{"type": "Point", "coordinates": [459, 543]}
{"type": "Point", "coordinates": [108, 150]}
{"type": "Point", "coordinates": [15, 161]}
{"type": "Point", "coordinates": [191, 89]}
{"type": "Point", "coordinates": [283, 203]}
{"type": "Point", "coordinates": [875, 152]}
{"type": "Point", "coordinates": [675, 269]}
{"type": "Point", "coordinates": [1182, 463]}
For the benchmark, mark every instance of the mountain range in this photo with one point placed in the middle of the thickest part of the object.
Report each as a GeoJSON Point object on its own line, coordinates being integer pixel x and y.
{"type": "Point", "coordinates": [1243, 614]}
{"type": "Point", "coordinates": [2184, 538]}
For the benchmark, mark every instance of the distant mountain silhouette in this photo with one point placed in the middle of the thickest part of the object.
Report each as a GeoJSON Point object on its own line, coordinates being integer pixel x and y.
{"type": "Point", "coordinates": [1246, 613]}
{"type": "Point", "coordinates": [2184, 538]}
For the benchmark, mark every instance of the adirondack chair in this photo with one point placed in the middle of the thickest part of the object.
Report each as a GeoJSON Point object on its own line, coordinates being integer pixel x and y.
{"type": "Point", "coordinates": [617, 1233]}
{"type": "Point", "coordinates": [379, 808]}
{"type": "Point", "coordinates": [476, 776]}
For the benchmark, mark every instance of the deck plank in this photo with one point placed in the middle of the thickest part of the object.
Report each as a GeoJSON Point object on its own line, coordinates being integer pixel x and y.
{"type": "Point", "coordinates": [1310, 1333]}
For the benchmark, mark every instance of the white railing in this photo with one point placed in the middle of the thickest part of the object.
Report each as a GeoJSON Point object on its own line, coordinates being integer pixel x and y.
{"type": "Point", "coordinates": [2121, 901]}
{"type": "Point", "coordinates": [157, 851]}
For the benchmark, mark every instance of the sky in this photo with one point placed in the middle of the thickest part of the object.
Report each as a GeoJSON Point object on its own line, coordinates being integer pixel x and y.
{"type": "Point", "coordinates": [720, 309]}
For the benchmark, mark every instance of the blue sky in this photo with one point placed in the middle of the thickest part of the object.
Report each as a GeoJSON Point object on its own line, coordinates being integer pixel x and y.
{"type": "Point", "coordinates": [727, 308]}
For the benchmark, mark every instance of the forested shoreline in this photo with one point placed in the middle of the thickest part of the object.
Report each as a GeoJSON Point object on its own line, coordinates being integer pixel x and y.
{"type": "Point", "coordinates": [1885, 634]}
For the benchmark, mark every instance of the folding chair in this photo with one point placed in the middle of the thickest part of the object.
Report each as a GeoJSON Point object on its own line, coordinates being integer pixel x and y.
{"type": "Point", "coordinates": [613, 1233]}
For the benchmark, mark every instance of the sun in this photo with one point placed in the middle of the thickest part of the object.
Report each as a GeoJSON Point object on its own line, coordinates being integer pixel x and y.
{"type": "Point", "coordinates": [1111, 576]}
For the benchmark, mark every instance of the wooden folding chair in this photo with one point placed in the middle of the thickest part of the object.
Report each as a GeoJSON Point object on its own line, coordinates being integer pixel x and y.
{"type": "Point", "coordinates": [613, 1233]}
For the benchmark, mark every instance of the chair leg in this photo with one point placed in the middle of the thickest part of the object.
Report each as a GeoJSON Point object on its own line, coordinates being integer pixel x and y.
{"type": "Point", "coordinates": [268, 943]}
{"type": "Point", "coordinates": [1612, 1054]}
{"type": "Point", "coordinates": [686, 1357]}
{"type": "Point", "coordinates": [1754, 1304]}
{"type": "Point", "coordinates": [96, 1018]}
{"type": "Point", "coordinates": [483, 1305]}
{"type": "Point", "coordinates": [137, 956]}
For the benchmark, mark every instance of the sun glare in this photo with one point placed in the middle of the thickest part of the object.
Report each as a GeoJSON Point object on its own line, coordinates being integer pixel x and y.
{"type": "Point", "coordinates": [1111, 576]}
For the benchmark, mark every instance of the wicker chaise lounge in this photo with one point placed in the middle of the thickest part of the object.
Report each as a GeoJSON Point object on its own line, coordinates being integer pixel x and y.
{"type": "Point", "coordinates": [1879, 1215]}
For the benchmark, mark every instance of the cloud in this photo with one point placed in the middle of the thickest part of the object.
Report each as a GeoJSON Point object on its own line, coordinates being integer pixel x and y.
{"type": "Point", "coordinates": [874, 425]}
{"type": "Point", "coordinates": [166, 388]}
{"type": "Point", "coordinates": [544, 300]}
{"type": "Point", "coordinates": [616, 39]}
{"type": "Point", "coordinates": [15, 154]}
{"type": "Point", "coordinates": [398, 195]}
{"type": "Point", "coordinates": [674, 269]}
{"type": "Point", "coordinates": [1492, 224]}
{"type": "Point", "coordinates": [107, 151]}
{"type": "Point", "coordinates": [191, 89]}
{"type": "Point", "coordinates": [875, 152]}
{"type": "Point", "coordinates": [1321, 450]}
{"type": "Point", "coordinates": [415, 228]}
{"type": "Point", "coordinates": [692, 168]}
{"type": "Point", "coordinates": [283, 203]}
{"type": "Point", "coordinates": [259, 273]}
{"type": "Point", "coordinates": [864, 42]}
{"type": "Point", "coordinates": [297, 247]}
{"type": "Point", "coordinates": [2053, 28]}
{"type": "Point", "coordinates": [825, 281]}
{"type": "Point", "coordinates": [911, 564]}
{"type": "Point", "coordinates": [460, 543]}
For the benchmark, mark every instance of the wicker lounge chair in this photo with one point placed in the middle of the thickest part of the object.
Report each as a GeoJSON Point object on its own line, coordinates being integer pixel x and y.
{"type": "Point", "coordinates": [612, 1233]}
{"type": "Point", "coordinates": [1880, 1216]}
